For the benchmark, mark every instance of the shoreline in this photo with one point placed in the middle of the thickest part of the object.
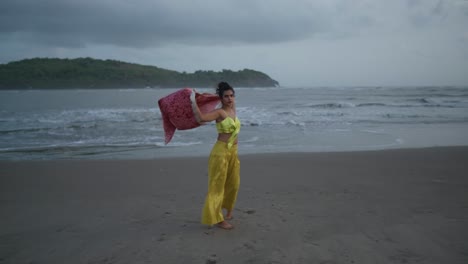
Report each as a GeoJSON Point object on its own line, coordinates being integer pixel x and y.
{"type": "Point", "coordinates": [206, 153]}
{"type": "Point", "coordinates": [384, 206]}
{"type": "Point", "coordinates": [147, 154]}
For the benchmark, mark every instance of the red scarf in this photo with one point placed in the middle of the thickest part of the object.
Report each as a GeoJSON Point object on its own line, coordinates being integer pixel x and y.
{"type": "Point", "coordinates": [177, 113]}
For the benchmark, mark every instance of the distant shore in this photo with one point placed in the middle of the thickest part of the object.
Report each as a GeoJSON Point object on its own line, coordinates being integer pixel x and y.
{"type": "Point", "coordinates": [389, 206]}
{"type": "Point", "coordinates": [89, 73]}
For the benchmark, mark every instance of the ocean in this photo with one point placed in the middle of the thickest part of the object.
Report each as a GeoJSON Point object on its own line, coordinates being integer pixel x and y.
{"type": "Point", "coordinates": [127, 124]}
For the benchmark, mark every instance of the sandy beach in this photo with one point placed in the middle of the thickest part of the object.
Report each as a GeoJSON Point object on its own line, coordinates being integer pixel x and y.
{"type": "Point", "coordinates": [392, 206]}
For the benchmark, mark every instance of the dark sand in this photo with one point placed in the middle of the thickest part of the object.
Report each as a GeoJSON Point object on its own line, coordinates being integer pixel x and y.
{"type": "Point", "coordinates": [394, 206]}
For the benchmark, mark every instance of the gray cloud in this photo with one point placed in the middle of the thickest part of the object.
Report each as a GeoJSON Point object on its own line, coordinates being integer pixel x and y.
{"type": "Point", "coordinates": [147, 23]}
{"type": "Point", "coordinates": [298, 42]}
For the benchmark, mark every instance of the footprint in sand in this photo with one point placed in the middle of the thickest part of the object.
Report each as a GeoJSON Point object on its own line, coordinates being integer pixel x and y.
{"type": "Point", "coordinates": [211, 259]}
{"type": "Point", "coordinates": [162, 237]}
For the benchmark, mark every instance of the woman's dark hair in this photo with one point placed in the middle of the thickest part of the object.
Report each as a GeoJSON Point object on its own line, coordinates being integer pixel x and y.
{"type": "Point", "coordinates": [222, 87]}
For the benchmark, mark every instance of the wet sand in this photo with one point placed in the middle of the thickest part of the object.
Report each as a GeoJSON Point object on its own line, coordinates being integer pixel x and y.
{"type": "Point", "coordinates": [392, 206]}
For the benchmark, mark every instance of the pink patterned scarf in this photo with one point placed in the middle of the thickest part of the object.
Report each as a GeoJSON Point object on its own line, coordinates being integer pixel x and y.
{"type": "Point", "coordinates": [177, 113]}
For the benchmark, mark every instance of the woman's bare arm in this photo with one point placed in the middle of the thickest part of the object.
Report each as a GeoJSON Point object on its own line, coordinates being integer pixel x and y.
{"type": "Point", "coordinates": [204, 117]}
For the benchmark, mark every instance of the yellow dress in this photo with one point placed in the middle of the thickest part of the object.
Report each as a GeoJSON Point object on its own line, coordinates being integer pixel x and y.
{"type": "Point", "coordinates": [223, 174]}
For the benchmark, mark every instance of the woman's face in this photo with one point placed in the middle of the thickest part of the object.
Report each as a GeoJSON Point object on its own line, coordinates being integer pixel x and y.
{"type": "Point", "coordinates": [228, 98]}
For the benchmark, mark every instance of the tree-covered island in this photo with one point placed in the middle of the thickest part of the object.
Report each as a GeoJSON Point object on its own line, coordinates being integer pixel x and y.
{"type": "Point", "coordinates": [82, 73]}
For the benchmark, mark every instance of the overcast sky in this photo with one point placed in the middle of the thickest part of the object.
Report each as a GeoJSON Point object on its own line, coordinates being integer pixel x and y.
{"type": "Point", "coordinates": [296, 42]}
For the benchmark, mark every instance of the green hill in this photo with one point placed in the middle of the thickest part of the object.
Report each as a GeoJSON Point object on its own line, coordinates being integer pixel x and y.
{"type": "Point", "coordinates": [50, 73]}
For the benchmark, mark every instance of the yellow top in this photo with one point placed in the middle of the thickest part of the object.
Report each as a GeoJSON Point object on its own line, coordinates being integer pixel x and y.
{"type": "Point", "coordinates": [229, 125]}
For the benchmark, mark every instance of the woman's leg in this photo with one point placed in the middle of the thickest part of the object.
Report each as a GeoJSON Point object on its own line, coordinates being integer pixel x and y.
{"type": "Point", "coordinates": [231, 187]}
{"type": "Point", "coordinates": [217, 172]}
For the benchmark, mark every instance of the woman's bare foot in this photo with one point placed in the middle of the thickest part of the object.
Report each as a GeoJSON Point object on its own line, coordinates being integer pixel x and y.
{"type": "Point", "coordinates": [229, 215]}
{"type": "Point", "coordinates": [225, 225]}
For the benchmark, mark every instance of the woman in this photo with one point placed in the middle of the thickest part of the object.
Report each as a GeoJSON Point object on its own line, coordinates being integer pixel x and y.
{"type": "Point", "coordinates": [223, 164]}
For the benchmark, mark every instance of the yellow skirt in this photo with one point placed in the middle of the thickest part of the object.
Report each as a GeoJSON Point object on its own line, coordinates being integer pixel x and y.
{"type": "Point", "coordinates": [223, 182]}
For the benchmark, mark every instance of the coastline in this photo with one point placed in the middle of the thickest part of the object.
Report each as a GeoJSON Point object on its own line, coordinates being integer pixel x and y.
{"type": "Point", "coordinates": [116, 124]}
{"type": "Point", "coordinates": [384, 206]}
